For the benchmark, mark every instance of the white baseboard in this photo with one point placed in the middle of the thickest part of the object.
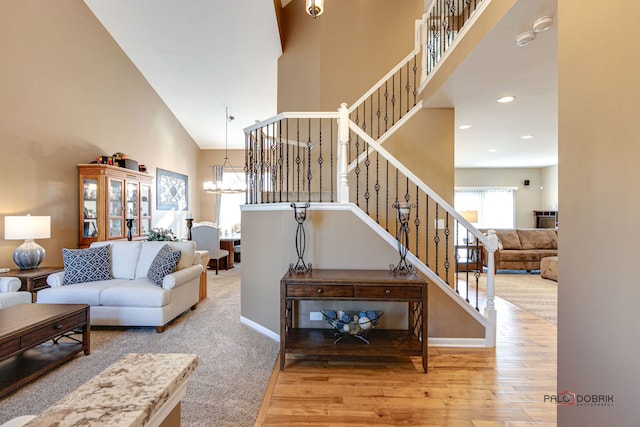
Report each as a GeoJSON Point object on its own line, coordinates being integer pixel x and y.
{"type": "Point", "coordinates": [433, 342]}
{"type": "Point", "coordinates": [258, 327]}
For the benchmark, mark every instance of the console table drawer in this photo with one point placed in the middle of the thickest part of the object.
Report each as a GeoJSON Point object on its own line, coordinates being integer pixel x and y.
{"type": "Point", "coordinates": [9, 347]}
{"type": "Point", "coordinates": [319, 291]}
{"type": "Point", "coordinates": [52, 330]}
{"type": "Point", "coordinates": [396, 292]}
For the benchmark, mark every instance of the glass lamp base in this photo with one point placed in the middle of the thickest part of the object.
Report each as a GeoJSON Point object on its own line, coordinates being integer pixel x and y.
{"type": "Point", "coordinates": [28, 255]}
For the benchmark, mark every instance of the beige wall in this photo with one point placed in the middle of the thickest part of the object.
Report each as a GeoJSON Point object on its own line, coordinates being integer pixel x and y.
{"type": "Point", "coordinates": [528, 198]}
{"type": "Point", "coordinates": [329, 245]}
{"type": "Point", "coordinates": [70, 94]}
{"type": "Point", "coordinates": [598, 296]}
{"type": "Point", "coordinates": [336, 58]}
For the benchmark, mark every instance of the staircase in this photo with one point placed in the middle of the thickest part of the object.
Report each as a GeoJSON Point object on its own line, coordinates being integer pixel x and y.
{"type": "Point", "coordinates": [339, 158]}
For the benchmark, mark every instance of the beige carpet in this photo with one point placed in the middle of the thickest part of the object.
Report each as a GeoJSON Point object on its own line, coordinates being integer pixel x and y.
{"type": "Point", "coordinates": [528, 291]}
{"type": "Point", "coordinates": [226, 389]}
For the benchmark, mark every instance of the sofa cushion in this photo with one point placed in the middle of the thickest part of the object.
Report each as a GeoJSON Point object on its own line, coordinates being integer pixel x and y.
{"type": "Point", "coordinates": [509, 239]}
{"type": "Point", "coordinates": [78, 293]}
{"type": "Point", "coordinates": [165, 262]}
{"type": "Point", "coordinates": [86, 265]}
{"type": "Point", "coordinates": [150, 249]}
{"type": "Point", "coordinates": [124, 258]}
{"type": "Point", "coordinates": [135, 293]}
{"type": "Point", "coordinates": [539, 238]}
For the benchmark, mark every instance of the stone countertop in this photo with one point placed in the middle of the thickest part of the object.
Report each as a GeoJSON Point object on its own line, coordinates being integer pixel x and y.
{"type": "Point", "coordinates": [127, 393]}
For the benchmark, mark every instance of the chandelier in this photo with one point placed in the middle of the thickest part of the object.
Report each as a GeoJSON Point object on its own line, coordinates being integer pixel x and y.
{"type": "Point", "coordinates": [315, 7]}
{"type": "Point", "coordinates": [219, 185]}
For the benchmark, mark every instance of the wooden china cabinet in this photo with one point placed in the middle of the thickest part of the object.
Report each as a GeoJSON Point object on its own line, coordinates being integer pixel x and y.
{"type": "Point", "coordinates": [111, 197]}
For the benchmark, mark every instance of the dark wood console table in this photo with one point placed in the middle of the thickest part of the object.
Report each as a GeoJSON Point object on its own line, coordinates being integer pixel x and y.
{"type": "Point", "coordinates": [354, 285]}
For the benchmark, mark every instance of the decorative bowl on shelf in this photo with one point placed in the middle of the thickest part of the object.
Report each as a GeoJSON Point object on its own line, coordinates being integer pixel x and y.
{"type": "Point", "coordinates": [353, 323]}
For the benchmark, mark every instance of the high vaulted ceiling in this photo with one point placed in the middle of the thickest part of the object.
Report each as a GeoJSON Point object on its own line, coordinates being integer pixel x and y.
{"type": "Point", "coordinates": [201, 56]}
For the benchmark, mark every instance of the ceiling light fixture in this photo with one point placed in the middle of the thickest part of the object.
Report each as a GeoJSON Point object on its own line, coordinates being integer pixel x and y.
{"type": "Point", "coordinates": [506, 99]}
{"type": "Point", "coordinates": [218, 186]}
{"type": "Point", "coordinates": [464, 127]}
{"type": "Point", "coordinates": [315, 8]}
{"type": "Point", "coordinates": [526, 137]}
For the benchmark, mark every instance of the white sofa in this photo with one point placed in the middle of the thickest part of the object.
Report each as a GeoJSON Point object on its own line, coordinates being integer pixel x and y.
{"type": "Point", "coordinates": [130, 298]}
{"type": "Point", "coordinates": [9, 293]}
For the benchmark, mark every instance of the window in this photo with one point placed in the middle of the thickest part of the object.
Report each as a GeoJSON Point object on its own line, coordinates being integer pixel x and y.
{"type": "Point", "coordinates": [230, 203]}
{"type": "Point", "coordinates": [495, 206]}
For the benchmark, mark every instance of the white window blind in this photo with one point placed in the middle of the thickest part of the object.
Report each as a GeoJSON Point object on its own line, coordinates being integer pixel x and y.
{"type": "Point", "coordinates": [495, 206]}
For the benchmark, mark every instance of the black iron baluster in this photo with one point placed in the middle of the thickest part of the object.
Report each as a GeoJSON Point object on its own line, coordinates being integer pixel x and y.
{"type": "Point", "coordinates": [416, 222]}
{"type": "Point", "coordinates": [274, 163]}
{"type": "Point", "coordinates": [436, 239]}
{"type": "Point", "coordinates": [426, 231]}
{"type": "Point", "coordinates": [377, 187]}
{"type": "Point", "coordinates": [309, 175]}
{"type": "Point", "coordinates": [366, 188]}
{"type": "Point", "coordinates": [288, 190]}
{"type": "Point", "coordinates": [332, 143]}
{"type": "Point", "coordinates": [415, 81]}
{"type": "Point", "coordinates": [386, 201]}
{"type": "Point", "coordinates": [393, 100]}
{"type": "Point", "coordinates": [407, 88]}
{"type": "Point", "coordinates": [357, 169]}
{"type": "Point", "coordinates": [447, 248]}
{"type": "Point", "coordinates": [400, 94]}
{"type": "Point", "coordinates": [297, 160]}
{"type": "Point", "coordinates": [378, 114]}
{"type": "Point", "coordinates": [320, 160]}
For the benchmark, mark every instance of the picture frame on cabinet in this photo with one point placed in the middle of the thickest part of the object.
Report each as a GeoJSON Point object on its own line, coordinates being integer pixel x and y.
{"type": "Point", "coordinates": [172, 191]}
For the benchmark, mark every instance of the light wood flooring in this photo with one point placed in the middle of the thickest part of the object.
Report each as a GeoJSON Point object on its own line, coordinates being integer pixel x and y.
{"type": "Point", "coordinates": [504, 386]}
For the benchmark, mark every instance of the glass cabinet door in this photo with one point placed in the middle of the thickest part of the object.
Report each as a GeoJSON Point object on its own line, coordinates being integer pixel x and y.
{"type": "Point", "coordinates": [116, 210]}
{"type": "Point", "coordinates": [132, 207]}
{"type": "Point", "coordinates": [90, 207]}
{"type": "Point", "coordinates": [145, 209]}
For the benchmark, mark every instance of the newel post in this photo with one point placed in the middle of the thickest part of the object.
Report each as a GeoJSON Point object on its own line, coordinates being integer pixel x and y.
{"type": "Point", "coordinates": [490, 308]}
{"type": "Point", "coordinates": [343, 140]}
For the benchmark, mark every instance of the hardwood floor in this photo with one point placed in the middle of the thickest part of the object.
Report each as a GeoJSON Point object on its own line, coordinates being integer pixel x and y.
{"type": "Point", "coordinates": [464, 387]}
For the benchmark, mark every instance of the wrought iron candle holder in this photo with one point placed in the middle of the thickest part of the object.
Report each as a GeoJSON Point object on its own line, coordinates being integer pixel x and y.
{"type": "Point", "coordinates": [404, 215]}
{"type": "Point", "coordinates": [189, 225]}
{"type": "Point", "coordinates": [300, 214]}
{"type": "Point", "coordinates": [129, 226]}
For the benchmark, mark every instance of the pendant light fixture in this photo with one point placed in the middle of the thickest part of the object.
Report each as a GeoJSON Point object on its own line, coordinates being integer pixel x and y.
{"type": "Point", "coordinates": [218, 186]}
{"type": "Point", "coordinates": [315, 8]}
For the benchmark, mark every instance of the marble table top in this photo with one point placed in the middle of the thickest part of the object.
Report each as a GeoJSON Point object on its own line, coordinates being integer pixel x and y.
{"type": "Point", "coordinates": [127, 393]}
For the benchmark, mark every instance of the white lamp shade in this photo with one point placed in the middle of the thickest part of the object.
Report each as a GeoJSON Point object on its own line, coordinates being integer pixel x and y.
{"type": "Point", "coordinates": [27, 227]}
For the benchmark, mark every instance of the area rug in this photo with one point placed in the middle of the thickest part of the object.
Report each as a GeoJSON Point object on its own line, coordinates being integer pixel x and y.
{"type": "Point", "coordinates": [528, 291]}
{"type": "Point", "coordinates": [226, 389]}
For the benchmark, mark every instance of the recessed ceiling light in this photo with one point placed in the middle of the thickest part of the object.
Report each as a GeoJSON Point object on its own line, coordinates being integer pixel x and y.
{"type": "Point", "coordinates": [505, 99]}
{"type": "Point", "coordinates": [527, 137]}
{"type": "Point", "coordinates": [493, 150]}
{"type": "Point", "coordinates": [463, 127]}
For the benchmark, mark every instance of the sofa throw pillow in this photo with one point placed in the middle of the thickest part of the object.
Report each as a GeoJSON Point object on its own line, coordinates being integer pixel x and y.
{"type": "Point", "coordinates": [86, 265]}
{"type": "Point", "coordinates": [164, 263]}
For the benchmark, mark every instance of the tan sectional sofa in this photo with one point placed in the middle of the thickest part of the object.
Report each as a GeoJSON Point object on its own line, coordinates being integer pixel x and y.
{"type": "Point", "coordinates": [523, 248]}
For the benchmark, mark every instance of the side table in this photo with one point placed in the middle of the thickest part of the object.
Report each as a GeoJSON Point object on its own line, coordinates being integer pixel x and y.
{"type": "Point", "coordinates": [33, 280]}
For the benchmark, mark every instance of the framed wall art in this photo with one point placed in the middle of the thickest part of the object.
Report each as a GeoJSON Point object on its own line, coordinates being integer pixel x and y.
{"type": "Point", "coordinates": [173, 191]}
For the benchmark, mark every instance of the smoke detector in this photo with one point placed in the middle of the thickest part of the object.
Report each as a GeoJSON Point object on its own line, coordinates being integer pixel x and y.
{"type": "Point", "coordinates": [525, 38]}
{"type": "Point", "coordinates": [542, 24]}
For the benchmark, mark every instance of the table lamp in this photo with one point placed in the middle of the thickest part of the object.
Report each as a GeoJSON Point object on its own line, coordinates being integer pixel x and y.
{"type": "Point", "coordinates": [29, 254]}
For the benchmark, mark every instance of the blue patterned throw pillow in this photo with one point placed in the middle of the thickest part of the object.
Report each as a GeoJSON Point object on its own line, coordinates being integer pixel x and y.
{"type": "Point", "coordinates": [86, 265]}
{"type": "Point", "coordinates": [164, 263]}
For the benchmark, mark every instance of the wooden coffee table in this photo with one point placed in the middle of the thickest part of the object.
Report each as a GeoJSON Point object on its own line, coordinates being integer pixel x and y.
{"type": "Point", "coordinates": [34, 338]}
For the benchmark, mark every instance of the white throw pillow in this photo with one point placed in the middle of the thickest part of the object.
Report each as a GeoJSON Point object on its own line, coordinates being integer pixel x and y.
{"type": "Point", "coordinates": [124, 258]}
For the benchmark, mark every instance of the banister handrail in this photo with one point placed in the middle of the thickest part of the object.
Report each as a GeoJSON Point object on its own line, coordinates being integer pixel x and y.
{"type": "Point", "coordinates": [291, 115]}
{"type": "Point", "coordinates": [424, 187]}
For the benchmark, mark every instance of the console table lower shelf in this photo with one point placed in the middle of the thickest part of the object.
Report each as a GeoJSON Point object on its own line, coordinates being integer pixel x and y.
{"type": "Point", "coordinates": [354, 285]}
